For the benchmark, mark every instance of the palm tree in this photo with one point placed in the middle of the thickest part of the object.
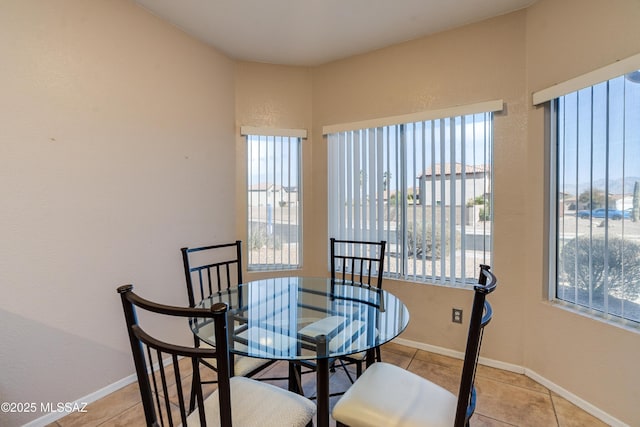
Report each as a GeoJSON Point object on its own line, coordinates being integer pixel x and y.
{"type": "Point", "coordinates": [386, 177]}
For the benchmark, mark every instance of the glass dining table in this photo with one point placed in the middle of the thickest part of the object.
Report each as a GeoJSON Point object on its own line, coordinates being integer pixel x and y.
{"type": "Point", "coordinates": [306, 319]}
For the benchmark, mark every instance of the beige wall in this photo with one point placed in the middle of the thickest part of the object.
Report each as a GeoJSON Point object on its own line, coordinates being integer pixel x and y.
{"type": "Point", "coordinates": [116, 148]}
{"type": "Point", "coordinates": [120, 134]}
{"type": "Point", "coordinates": [480, 62]}
{"type": "Point", "coordinates": [273, 96]}
{"type": "Point", "coordinates": [503, 58]}
{"type": "Point", "coordinates": [596, 361]}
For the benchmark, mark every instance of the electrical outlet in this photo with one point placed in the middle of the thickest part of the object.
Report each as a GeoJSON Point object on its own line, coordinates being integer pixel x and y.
{"type": "Point", "coordinates": [456, 315]}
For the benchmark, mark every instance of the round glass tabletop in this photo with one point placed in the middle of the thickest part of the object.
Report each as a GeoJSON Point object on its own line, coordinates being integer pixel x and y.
{"type": "Point", "coordinates": [294, 318]}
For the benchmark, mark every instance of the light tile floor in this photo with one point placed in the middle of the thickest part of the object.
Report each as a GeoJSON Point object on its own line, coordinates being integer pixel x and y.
{"type": "Point", "coordinates": [504, 398]}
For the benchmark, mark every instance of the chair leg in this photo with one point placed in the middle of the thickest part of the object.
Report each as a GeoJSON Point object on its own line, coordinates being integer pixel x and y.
{"type": "Point", "coordinates": [192, 398]}
{"type": "Point", "coordinates": [371, 357]}
{"type": "Point", "coordinates": [346, 371]}
{"type": "Point", "coordinates": [295, 378]}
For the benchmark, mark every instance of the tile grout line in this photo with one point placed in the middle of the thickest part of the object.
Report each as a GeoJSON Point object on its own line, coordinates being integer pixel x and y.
{"type": "Point", "coordinates": [412, 358]}
{"type": "Point", "coordinates": [119, 414]}
{"type": "Point", "coordinates": [495, 419]}
{"type": "Point", "coordinates": [501, 381]}
{"type": "Point", "coordinates": [553, 405]}
{"type": "Point", "coordinates": [515, 385]}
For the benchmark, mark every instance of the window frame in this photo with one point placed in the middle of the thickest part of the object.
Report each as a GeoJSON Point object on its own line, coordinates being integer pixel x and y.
{"type": "Point", "coordinates": [552, 144]}
{"type": "Point", "coordinates": [451, 116]}
{"type": "Point", "coordinates": [276, 136]}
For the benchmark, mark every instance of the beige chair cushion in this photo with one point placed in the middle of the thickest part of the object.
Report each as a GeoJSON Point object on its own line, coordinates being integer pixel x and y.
{"type": "Point", "coordinates": [386, 395]}
{"type": "Point", "coordinates": [323, 326]}
{"type": "Point", "coordinates": [271, 340]}
{"type": "Point", "coordinates": [242, 365]}
{"type": "Point", "coordinates": [268, 341]}
{"type": "Point", "coordinates": [258, 404]}
{"type": "Point", "coordinates": [328, 324]}
{"type": "Point", "coordinates": [343, 339]}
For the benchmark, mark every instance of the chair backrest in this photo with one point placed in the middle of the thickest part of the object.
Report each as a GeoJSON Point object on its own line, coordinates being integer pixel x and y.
{"type": "Point", "coordinates": [165, 370]}
{"type": "Point", "coordinates": [358, 261]}
{"type": "Point", "coordinates": [210, 269]}
{"type": "Point", "coordinates": [481, 314]}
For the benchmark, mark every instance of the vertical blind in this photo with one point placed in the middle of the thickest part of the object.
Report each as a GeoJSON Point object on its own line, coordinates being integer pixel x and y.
{"type": "Point", "coordinates": [273, 202]}
{"type": "Point", "coordinates": [597, 198]}
{"type": "Point", "coordinates": [424, 187]}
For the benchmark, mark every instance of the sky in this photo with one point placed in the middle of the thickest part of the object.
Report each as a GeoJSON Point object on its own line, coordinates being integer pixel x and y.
{"type": "Point", "coordinates": [379, 152]}
{"type": "Point", "coordinates": [591, 149]}
{"type": "Point", "coordinates": [276, 159]}
{"type": "Point", "coordinates": [273, 160]}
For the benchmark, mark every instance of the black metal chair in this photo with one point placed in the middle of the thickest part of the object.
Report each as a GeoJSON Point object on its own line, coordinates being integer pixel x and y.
{"type": "Point", "coordinates": [165, 371]}
{"type": "Point", "coordinates": [386, 392]}
{"type": "Point", "coordinates": [213, 269]}
{"type": "Point", "coordinates": [359, 264]}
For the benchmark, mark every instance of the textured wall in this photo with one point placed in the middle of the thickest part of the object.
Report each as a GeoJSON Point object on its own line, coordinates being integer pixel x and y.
{"type": "Point", "coordinates": [120, 139]}
{"type": "Point", "coordinates": [594, 360]}
{"type": "Point", "coordinates": [476, 63]}
{"type": "Point", "coordinates": [116, 149]}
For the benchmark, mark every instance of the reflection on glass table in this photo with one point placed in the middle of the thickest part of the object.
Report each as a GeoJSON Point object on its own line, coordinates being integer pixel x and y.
{"type": "Point", "coordinates": [267, 319]}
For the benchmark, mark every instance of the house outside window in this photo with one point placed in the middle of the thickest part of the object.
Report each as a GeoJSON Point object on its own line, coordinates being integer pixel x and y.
{"type": "Point", "coordinates": [423, 186]}
{"type": "Point", "coordinates": [274, 203]}
{"type": "Point", "coordinates": [596, 198]}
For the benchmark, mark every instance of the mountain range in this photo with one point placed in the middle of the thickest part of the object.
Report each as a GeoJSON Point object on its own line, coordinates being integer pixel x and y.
{"type": "Point", "coordinates": [616, 186]}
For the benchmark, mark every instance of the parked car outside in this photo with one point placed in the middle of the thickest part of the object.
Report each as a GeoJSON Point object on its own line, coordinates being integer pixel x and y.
{"type": "Point", "coordinates": [604, 213]}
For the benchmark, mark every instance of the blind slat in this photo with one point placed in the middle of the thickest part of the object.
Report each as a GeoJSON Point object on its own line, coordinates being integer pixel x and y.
{"type": "Point", "coordinates": [407, 184]}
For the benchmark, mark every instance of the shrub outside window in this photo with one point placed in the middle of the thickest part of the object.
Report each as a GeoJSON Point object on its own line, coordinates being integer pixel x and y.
{"type": "Point", "coordinates": [273, 202]}
{"type": "Point", "coordinates": [596, 244]}
{"type": "Point", "coordinates": [425, 187]}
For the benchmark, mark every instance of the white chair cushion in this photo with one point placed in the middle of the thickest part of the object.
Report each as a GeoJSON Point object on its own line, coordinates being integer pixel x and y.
{"type": "Point", "coordinates": [258, 404]}
{"type": "Point", "coordinates": [242, 365]}
{"type": "Point", "coordinates": [361, 356]}
{"type": "Point", "coordinates": [386, 395]}
{"type": "Point", "coordinates": [265, 341]}
{"type": "Point", "coordinates": [344, 338]}
{"type": "Point", "coordinates": [351, 337]}
{"type": "Point", "coordinates": [323, 326]}
{"type": "Point", "coordinates": [268, 342]}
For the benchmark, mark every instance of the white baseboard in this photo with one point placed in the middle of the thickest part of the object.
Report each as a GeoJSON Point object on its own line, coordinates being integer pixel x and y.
{"type": "Point", "coordinates": [460, 355]}
{"type": "Point", "coordinates": [92, 397]}
{"type": "Point", "coordinates": [89, 398]}
{"type": "Point", "coordinates": [579, 402]}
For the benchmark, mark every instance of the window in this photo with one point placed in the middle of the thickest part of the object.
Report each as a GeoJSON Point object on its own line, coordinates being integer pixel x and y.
{"type": "Point", "coordinates": [596, 256]}
{"type": "Point", "coordinates": [273, 200]}
{"type": "Point", "coordinates": [424, 187]}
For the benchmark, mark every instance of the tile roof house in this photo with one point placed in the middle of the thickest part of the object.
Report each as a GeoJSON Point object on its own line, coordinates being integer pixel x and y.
{"type": "Point", "coordinates": [120, 144]}
{"type": "Point", "coordinates": [470, 182]}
